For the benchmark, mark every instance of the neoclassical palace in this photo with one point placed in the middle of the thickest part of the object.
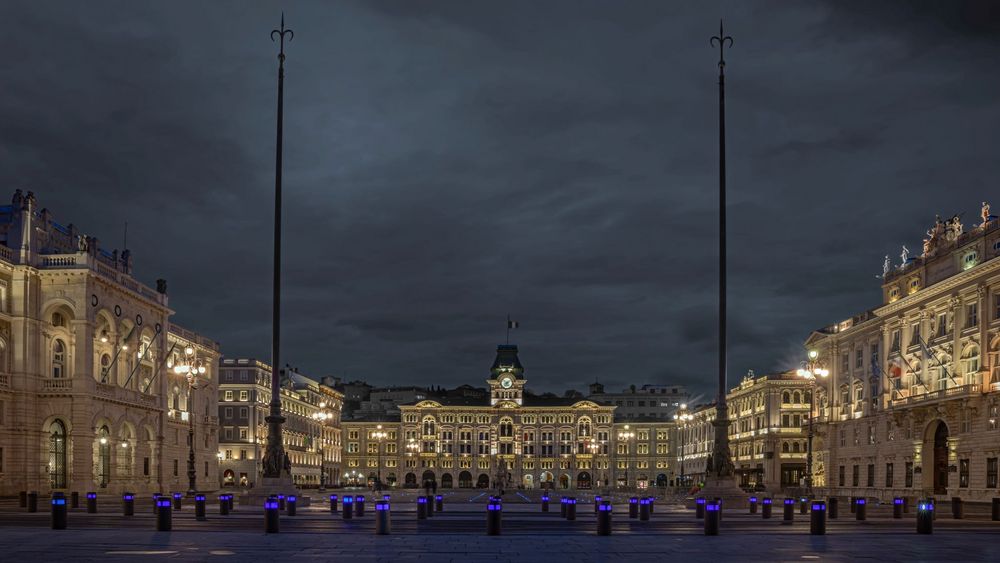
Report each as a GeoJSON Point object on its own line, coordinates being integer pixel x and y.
{"type": "Point", "coordinates": [98, 391]}
{"type": "Point", "coordinates": [912, 404]}
{"type": "Point", "coordinates": [511, 438]}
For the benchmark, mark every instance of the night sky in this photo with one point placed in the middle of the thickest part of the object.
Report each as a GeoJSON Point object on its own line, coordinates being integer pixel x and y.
{"type": "Point", "coordinates": [448, 163]}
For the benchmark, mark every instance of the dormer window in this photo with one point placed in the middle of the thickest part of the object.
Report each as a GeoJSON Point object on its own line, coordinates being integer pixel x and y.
{"type": "Point", "coordinates": [970, 259]}
{"type": "Point", "coordinates": [996, 247]}
{"type": "Point", "coordinates": [914, 285]}
{"type": "Point", "coordinates": [893, 294]}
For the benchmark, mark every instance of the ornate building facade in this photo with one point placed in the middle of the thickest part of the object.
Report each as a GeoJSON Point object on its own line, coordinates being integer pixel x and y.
{"type": "Point", "coordinates": [911, 406]}
{"type": "Point", "coordinates": [98, 390]}
{"type": "Point", "coordinates": [311, 432]}
{"type": "Point", "coordinates": [509, 437]}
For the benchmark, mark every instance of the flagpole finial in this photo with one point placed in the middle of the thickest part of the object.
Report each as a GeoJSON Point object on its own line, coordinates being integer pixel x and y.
{"type": "Point", "coordinates": [721, 39]}
{"type": "Point", "coordinates": [281, 34]}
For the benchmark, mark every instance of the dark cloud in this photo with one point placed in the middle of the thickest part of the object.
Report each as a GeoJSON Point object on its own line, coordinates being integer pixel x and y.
{"type": "Point", "coordinates": [450, 162]}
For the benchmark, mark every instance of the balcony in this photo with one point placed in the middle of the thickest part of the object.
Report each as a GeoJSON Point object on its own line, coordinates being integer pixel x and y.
{"type": "Point", "coordinates": [958, 392]}
{"type": "Point", "coordinates": [57, 385]}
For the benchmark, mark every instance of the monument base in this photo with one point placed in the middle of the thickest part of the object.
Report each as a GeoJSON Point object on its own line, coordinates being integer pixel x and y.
{"type": "Point", "coordinates": [274, 486]}
{"type": "Point", "coordinates": [724, 488]}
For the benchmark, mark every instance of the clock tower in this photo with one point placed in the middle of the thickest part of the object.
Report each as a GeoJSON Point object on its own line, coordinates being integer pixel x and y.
{"type": "Point", "coordinates": [507, 377]}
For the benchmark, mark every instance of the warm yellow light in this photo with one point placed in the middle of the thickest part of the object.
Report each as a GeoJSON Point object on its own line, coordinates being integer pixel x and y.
{"type": "Point", "coordinates": [188, 350]}
{"type": "Point", "coordinates": [813, 354]}
{"type": "Point", "coordinates": [125, 347]}
{"type": "Point", "coordinates": [104, 441]}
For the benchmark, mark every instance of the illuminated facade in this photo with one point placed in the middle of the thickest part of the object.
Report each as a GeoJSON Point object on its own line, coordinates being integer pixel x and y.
{"type": "Point", "coordinates": [911, 404]}
{"type": "Point", "coordinates": [511, 438]}
{"type": "Point", "coordinates": [311, 432]}
{"type": "Point", "coordinates": [91, 394]}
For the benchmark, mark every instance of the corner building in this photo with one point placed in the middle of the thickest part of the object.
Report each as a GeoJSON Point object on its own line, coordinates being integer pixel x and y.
{"type": "Point", "coordinates": [911, 404]}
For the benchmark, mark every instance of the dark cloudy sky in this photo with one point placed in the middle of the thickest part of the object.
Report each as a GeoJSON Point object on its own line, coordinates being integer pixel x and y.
{"type": "Point", "coordinates": [449, 162]}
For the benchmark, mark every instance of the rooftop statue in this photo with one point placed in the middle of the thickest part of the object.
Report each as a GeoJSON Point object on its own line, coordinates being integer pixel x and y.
{"type": "Point", "coordinates": [985, 213]}
{"type": "Point", "coordinates": [886, 266]}
{"type": "Point", "coordinates": [905, 255]}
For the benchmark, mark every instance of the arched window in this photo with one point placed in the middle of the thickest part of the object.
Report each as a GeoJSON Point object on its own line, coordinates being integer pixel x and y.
{"type": "Point", "coordinates": [795, 447]}
{"type": "Point", "coordinates": [506, 427]}
{"type": "Point", "coordinates": [104, 456]}
{"type": "Point", "coordinates": [796, 397]}
{"type": "Point", "coordinates": [784, 447]}
{"type": "Point", "coordinates": [786, 397]}
{"type": "Point", "coordinates": [58, 359]}
{"type": "Point", "coordinates": [57, 455]}
{"type": "Point", "coordinates": [584, 428]}
{"type": "Point", "coordinates": [105, 364]}
{"type": "Point", "coordinates": [430, 429]}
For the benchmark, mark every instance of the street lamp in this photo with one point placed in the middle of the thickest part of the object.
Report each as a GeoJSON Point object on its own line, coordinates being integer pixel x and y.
{"type": "Point", "coordinates": [811, 370]}
{"type": "Point", "coordinates": [682, 418]}
{"type": "Point", "coordinates": [322, 416]}
{"type": "Point", "coordinates": [379, 435]}
{"type": "Point", "coordinates": [190, 367]}
{"type": "Point", "coordinates": [626, 435]}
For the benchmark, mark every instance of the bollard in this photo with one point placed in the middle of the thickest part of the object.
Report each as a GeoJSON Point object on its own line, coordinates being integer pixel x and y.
{"type": "Point", "coordinates": [347, 504]}
{"type": "Point", "coordinates": [925, 516]}
{"type": "Point", "coordinates": [597, 503]}
{"type": "Point", "coordinates": [652, 503]}
{"type": "Point", "coordinates": [604, 518]}
{"type": "Point", "coordinates": [789, 515]}
{"type": "Point", "coordinates": [177, 501]}
{"type": "Point", "coordinates": [897, 508]}
{"type": "Point", "coordinates": [22, 499]}
{"type": "Point", "coordinates": [562, 507]}
{"type": "Point", "coordinates": [803, 505]}
{"type": "Point", "coordinates": [229, 501]}
{"type": "Point", "coordinates": [854, 504]}
{"type": "Point", "coordinates": [765, 508]}
{"type": "Point", "coordinates": [281, 502]}
{"type": "Point", "coordinates": [33, 501]}
{"type": "Point", "coordinates": [712, 519]}
{"type": "Point", "coordinates": [571, 508]}
{"type": "Point", "coordinates": [832, 507]}
{"type": "Point", "coordinates": [333, 504]}
{"type": "Point", "coordinates": [996, 509]}
{"type": "Point", "coordinates": [699, 508]}
{"type": "Point", "coordinates": [421, 508]}
{"type": "Point", "coordinates": [633, 508]}
{"type": "Point", "coordinates": [291, 502]}
{"type": "Point", "coordinates": [438, 503]}
{"type": "Point", "coordinates": [817, 518]}
{"type": "Point", "coordinates": [753, 505]}
{"type": "Point", "coordinates": [906, 505]}
{"type": "Point", "coordinates": [430, 506]}
{"type": "Point", "coordinates": [224, 505]}
{"type": "Point", "coordinates": [494, 511]}
{"type": "Point", "coordinates": [128, 504]}
{"type": "Point", "coordinates": [58, 511]}
{"type": "Point", "coordinates": [956, 508]}
{"type": "Point", "coordinates": [382, 524]}
{"type": "Point", "coordinates": [644, 509]}
{"type": "Point", "coordinates": [164, 516]}
{"type": "Point", "coordinates": [359, 505]}
{"type": "Point", "coordinates": [271, 512]}
{"type": "Point", "coordinates": [91, 503]}
{"type": "Point", "coordinates": [718, 501]}
{"type": "Point", "coordinates": [545, 503]}
{"type": "Point", "coordinates": [156, 498]}
{"type": "Point", "coordinates": [74, 500]}
{"type": "Point", "coordinates": [199, 507]}
{"type": "Point", "coordinates": [859, 508]}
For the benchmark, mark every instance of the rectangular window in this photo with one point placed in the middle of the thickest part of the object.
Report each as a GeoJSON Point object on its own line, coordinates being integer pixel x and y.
{"type": "Point", "coordinates": [888, 475]}
{"type": "Point", "coordinates": [244, 395]}
{"type": "Point", "coordinates": [942, 324]}
{"type": "Point", "coordinates": [871, 474]}
{"type": "Point", "coordinates": [895, 340]}
{"type": "Point", "coordinates": [915, 334]}
{"type": "Point", "coordinates": [229, 395]}
{"type": "Point", "coordinates": [845, 363]}
{"type": "Point", "coordinates": [856, 476]}
{"type": "Point", "coordinates": [840, 476]}
{"type": "Point", "coordinates": [991, 473]}
{"type": "Point", "coordinates": [859, 358]}
{"type": "Point", "coordinates": [175, 467]}
{"type": "Point", "coordinates": [909, 475]}
{"type": "Point", "coordinates": [963, 473]}
{"type": "Point", "coordinates": [145, 466]}
{"type": "Point", "coordinates": [972, 315]}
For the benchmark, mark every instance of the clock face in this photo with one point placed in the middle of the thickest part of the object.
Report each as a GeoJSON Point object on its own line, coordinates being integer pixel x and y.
{"type": "Point", "coordinates": [506, 382]}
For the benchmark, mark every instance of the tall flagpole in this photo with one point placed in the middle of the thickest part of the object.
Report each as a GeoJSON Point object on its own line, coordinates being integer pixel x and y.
{"type": "Point", "coordinates": [274, 453]}
{"type": "Point", "coordinates": [722, 463]}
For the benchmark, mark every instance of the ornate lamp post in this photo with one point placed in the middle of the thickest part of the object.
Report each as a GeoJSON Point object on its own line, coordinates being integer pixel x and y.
{"type": "Point", "coordinates": [322, 415]}
{"type": "Point", "coordinates": [190, 367]}
{"type": "Point", "coordinates": [626, 435]}
{"type": "Point", "coordinates": [378, 435]}
{"type": "Point", "coordinates": [811, 370]}
{"type": "Point", "coordinates": [682, 418]}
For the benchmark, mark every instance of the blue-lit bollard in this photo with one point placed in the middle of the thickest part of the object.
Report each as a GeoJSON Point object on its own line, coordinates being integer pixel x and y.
{"type": "Point", "coordinates": [229, 501]}
{"type": "Point", "coordinates": [348, 507]}
{"type": "Point", "coordinates": [128, 504]}
{"type": "Point", "coordinates": [699, 508]}
{"type": "Point", "coordinates": [177, 501]}
{"type": "Point", "coordinates": [74, 500]}
{"type": "Point", "coordinates": [832, 507]}
{"type": "Point", "coordinates": [291, 503]}
{"type": "Point", "coordinates": [58, 511]}
{"type": "Point", "coordinates": [223, 505]}
{"type": "Point", "coordinates": [271, 511]}
{"type": "Point", "coordinates": [156, 500]}
{"type": "Point", "coordinates": [91, 503]}
{"type": "Point", "coordinates": [281, 502]}
{"type": "Point", "coordinates": [438, 503]}
{"type": "Point", "coordinates": [633, 508]}
{"type": "Point", "coordinates": [545, 503]}
{"type": "Point", "coordinates": [712, 513]}
{"type": "Point", "coordinates": [897, 508]}
{"type": "Point", "coordinates": [562, 507]}
{"type": "Point", "coordinates": [33, 501]}
{"type": "Point", "coordinates": [860, 504]}
{"type": "Point", "coordinates": [789, 514]}
{"type": "Point", "coordinates": [652, 505]}
{"type": "Point", "coordinates": [199, 507]}
{"type": "Point", "coordinates": [382, 523]}
{"type": "Point", "coordinates": [571, 508]}
{"type": "Point", "coordinates": [604, 518]}
{"type": "Point", "coordinates": [765, 508]}
{"type": "Point", "coordinates": [803, 505]}
{"type": "Point", "coordinates": [494, 512]}
{"type": "Point", "coordinates": [430, 505]}
{"type": "Point", "coordinates": [164, 515]}
{"type": "Point", "coordinates": [333, 504]}
{"type": "Point", "coordinates": [597, 503]}
{"type": "Point", "coordinates": [359, 506]}
{"type": "Point", "coordinates": [644, 509]}
{"type": "Point", "coordinates": [925, 516]}
{"type": "Point", "coordinates": [421, 508]}
{"type": "Point", "coordinates": [817, 518]}
{"type": "Point", "coordinates": [753, 505]}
